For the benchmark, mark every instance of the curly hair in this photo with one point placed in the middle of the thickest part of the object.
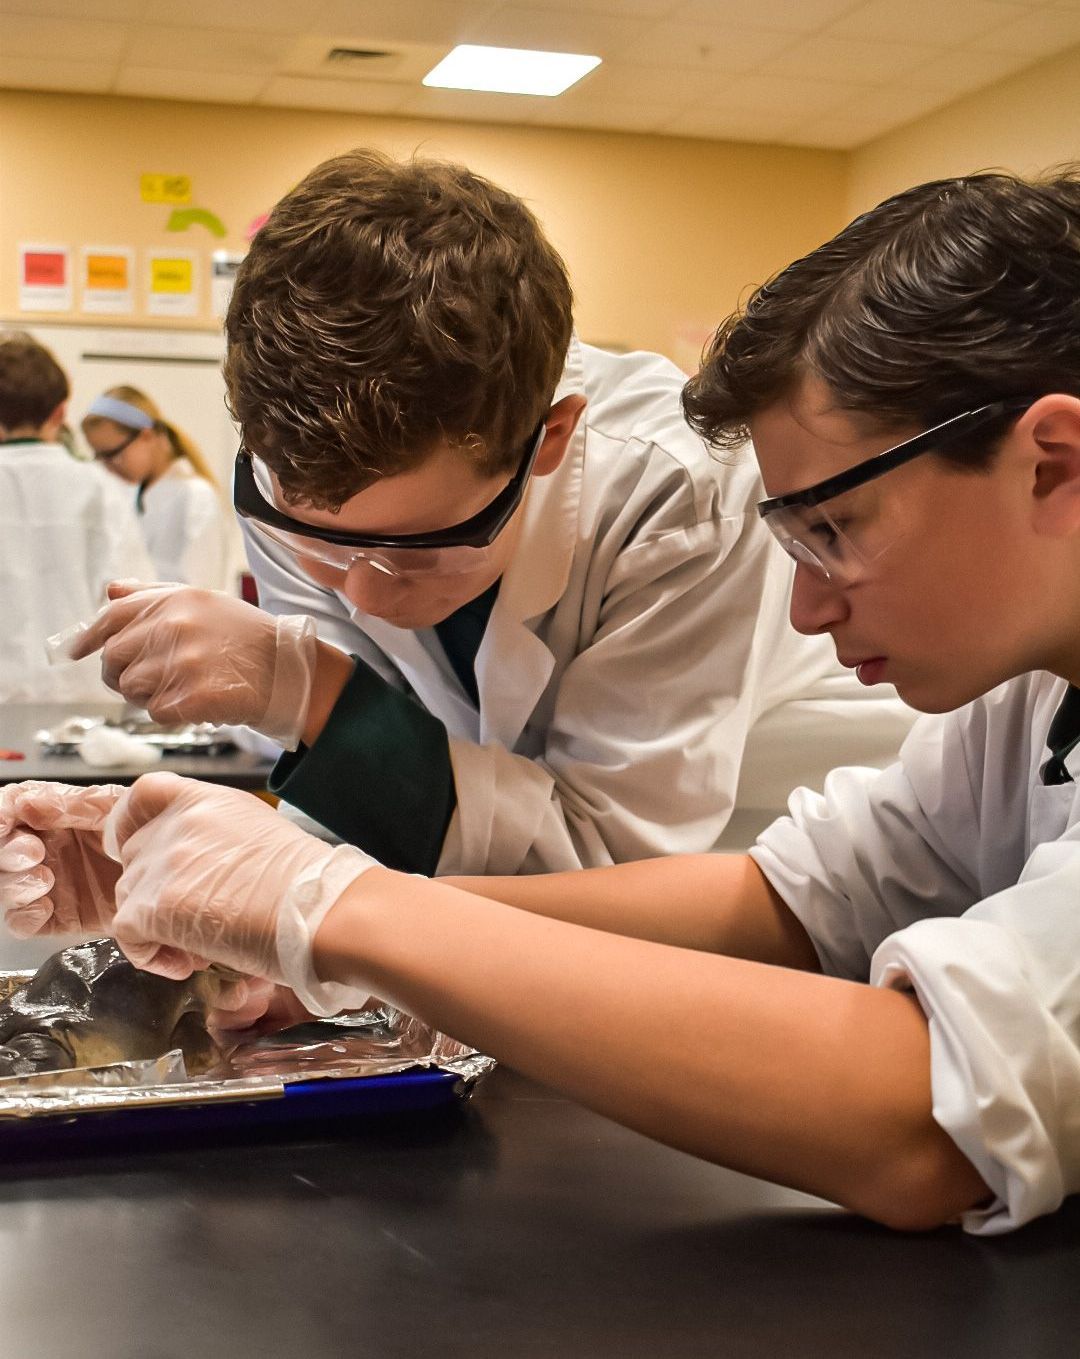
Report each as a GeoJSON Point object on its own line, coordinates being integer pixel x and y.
{"type": "Point", "coordinates": [948, 296]}
{"type": "Point", "coordinates": [386, 308]}
{"type": "Point", "coordinates": [32, 383]}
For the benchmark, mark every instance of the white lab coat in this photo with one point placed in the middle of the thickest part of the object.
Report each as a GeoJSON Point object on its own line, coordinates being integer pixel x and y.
{"type": "Point", "coordinates": [66, 530]}
{"type": "Point", "coordinates": [639, 632]}
{"type": "Point", "coordinates": [184, 527]}
{"type": "Point", "coordinates": [956, 874]}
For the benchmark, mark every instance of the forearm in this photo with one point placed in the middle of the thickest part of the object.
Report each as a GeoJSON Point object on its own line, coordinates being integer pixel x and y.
{"type": "Point", "coordinates": [717, 903]}
{"type": "Point", "coordinates": [813, 1082]}
{"type": "Point", "coordinates": [333, 669]}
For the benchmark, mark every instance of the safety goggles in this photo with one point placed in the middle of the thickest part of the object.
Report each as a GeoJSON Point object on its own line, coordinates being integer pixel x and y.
{"type": "Point", "coordinates": [104, 454]}
{"type": "Point", "coordinates": [457, 550]}
{"type": "Point", "coordinates": [840, 526]}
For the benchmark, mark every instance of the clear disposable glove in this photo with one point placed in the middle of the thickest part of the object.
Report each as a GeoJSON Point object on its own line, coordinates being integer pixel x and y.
{"type": "Point", "coordinates": [214, 875]}
{"type": "Point", "coordinates": [188, 655]}
{"type": "Point", "coordinates": [55, 876]}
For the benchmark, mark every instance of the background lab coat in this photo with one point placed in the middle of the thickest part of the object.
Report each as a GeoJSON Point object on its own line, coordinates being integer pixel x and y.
{"type": "Point", "coordinates": [955, 873]}
{"type": "Point", "coordinates": [66, 529]}
{"type": "Point", "coordinates": [640, 631]}
{"type": "Point", "coordinates": [184, 528]}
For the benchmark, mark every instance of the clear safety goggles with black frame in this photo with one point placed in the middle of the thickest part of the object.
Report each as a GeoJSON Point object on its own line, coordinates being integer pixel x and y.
{"type": "Point", "coordinates": [840, 526]}
{"type": "Point", "coordinates": [457, 550]}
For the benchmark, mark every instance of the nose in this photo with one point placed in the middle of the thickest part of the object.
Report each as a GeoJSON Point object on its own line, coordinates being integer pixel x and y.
{"type": "Point", "coordinates": [371, 588]}
{"type": "Point", "coordinates": [817, 604]}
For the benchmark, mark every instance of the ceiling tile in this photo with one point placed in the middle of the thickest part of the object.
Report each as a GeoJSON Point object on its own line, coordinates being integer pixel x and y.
{"type": "Point", "coordinates": [729, 126]}
{"type": "Point", "coordinates": [199, 49]}
{"type": "Point", "coordinates": [73, 77]}
{"type": "Point", "coordinates": [1038, 34]}
{"type": "Point", "coordinates": [626, 9]}
{"type": "Point", "coordinates": [790, 16]}
{"type": "Point", "coordinates": [958, 21]}
{"type": "Point", "coordinates": [266, 16]}
{"type": "Point", "coordinates": [307, 57]}
{"type": "Point", "coordinates": [598, 35]}
{"type": "Point", "coordinates": [75, 9]}
{"type": "Point", "coordinates": [612, 115]}
{"type": "Point", "coordinates": [77, 40]}
{"type": "Point", "coordinates": [166, 82]}
{"type": "Point", "coordinates": [434, 21]}
{"type": "Point", "coordinates": [729, 49]}
{"type": "Point", "coordinates": [903, 103]}
{"type": "Point", "coordinates": [825, 58]}
{"type": "Point", "coordinates": [472, 106]}
{"type": "Point", "coordinates": [960, 71]}
{"type": "Point", "coordinates": [347, 97]}
{"type": "Point", "coordinates": [655, 84]}
{"type": "Point", "coordinates": [785, 97]}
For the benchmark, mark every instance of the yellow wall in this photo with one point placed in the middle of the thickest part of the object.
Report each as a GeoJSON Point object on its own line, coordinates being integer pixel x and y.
{"type": "Point", "coordinates": [661, 235]}
{"type": "Point", "coordinates": [1025, 123]}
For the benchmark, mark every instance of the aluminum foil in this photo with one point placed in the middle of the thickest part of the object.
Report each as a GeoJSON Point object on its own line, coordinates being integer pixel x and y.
{"type": "Point", "coordinates": [377, 1042]}
{"type": "Point", "coordinates": [186, 738]}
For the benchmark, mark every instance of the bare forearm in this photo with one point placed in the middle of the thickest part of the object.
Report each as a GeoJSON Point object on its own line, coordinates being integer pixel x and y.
{"type": "Point", "coordinates": [808, 1081]}
{"type": "Point", "coordinates": [718, 903]}
{"type": "Point", "coordinates": [332, 671]}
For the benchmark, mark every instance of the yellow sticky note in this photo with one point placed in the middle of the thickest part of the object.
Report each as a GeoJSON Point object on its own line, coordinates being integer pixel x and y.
{"type": "Point", "coordinates": [107, 271]}
{"type": "Point", "coordinates": [165, 188]}
{"type": "Point", "coordinates": [170, 275]}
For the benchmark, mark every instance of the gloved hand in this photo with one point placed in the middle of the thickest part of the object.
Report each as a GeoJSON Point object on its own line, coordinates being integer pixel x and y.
{"type": "Point", "coordinates": [213, 875]}
{"type": "Point", "coordinates": [188, 655]}
{"type": "Point", "coordinates": [267, 1008]}
{"type": "Point", "coordinates": [55, 877]}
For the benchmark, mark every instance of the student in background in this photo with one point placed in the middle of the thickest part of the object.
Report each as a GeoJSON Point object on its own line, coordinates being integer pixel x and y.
{"type": "Point", "coordinates": [176, 500]}
{"type": "Point", "coordinates": [65, 530]}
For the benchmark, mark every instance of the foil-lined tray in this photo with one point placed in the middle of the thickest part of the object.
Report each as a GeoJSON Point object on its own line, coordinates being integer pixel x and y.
{"type": "Point", "coordinates": [377, 1042]}
{"type": "Point", "coordinates": [183, 738]}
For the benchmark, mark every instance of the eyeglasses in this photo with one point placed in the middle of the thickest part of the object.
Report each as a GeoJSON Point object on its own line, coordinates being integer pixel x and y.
{"type": "Point", "coordinates": [456, 550]}
{"type": "Point", "coordinates": [839, 526]}
{"type": "Point", "coordinates": [104, 454]}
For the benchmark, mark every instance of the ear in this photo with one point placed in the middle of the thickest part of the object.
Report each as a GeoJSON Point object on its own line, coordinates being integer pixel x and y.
{"type": "Point", "coordinates": [1053, 426]}
{"type": "Point", "coordinates": [560, 424]}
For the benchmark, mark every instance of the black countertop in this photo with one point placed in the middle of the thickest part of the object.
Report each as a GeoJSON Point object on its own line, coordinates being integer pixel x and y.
{"type": "Point", "coordinates": [520, 1226]}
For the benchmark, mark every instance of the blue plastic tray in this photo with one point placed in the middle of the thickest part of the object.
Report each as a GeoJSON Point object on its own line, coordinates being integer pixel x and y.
{"type": "Point", "coordinates": [357, 1100]}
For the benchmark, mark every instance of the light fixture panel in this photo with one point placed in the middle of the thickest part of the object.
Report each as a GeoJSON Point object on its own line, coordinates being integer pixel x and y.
{"type": "Point", "coordinates": [509, 70]}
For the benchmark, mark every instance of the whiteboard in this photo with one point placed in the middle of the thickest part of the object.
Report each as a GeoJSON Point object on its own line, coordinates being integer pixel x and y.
{"type": "Point", "coordinates": [180, 370]}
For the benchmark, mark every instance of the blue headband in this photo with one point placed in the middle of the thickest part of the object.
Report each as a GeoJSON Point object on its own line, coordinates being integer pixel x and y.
{"type": "Point", "coordinates": [120, 412]}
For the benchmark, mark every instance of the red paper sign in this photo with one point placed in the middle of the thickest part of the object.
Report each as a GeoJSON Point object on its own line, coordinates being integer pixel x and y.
{"type": "Point", "coordinates": [44, 268]}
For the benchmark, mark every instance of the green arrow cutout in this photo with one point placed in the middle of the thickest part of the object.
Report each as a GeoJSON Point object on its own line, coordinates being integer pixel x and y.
{"type": "Point", "coordinates": [182, 218]}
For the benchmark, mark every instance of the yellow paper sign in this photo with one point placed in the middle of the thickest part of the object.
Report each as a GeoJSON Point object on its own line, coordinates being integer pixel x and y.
{"type": "Point", "coordinates": [165, 188]}
{"type": "Point", "coordinates": [170, 275]}
{"type": "Point", "coordinates": [106, 271]}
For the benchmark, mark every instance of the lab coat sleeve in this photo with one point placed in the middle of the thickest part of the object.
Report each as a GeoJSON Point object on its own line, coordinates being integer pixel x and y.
{"type": "Point", "coordinates": [642, 752]}
{"type": "Point", "coordinates": [882, 871]}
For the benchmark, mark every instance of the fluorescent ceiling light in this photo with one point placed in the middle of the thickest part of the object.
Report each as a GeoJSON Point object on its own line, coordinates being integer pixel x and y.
{"type": "Point", "coordinates": [509, 70]}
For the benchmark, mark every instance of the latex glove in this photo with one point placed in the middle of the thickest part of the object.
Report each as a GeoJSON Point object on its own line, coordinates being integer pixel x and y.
{"type": "Point", "coordinates": [214, 875]}
{"type": "Point", "coordinates": [267, 1008]}
{"type": "Point", "coordinates": [55, 876]}
{"type": "Point", "coordinates": [188, 655]}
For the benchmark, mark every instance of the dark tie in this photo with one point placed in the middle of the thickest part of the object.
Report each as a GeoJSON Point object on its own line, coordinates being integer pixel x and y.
{"type": "Point", "coordinates": [1064, 733]}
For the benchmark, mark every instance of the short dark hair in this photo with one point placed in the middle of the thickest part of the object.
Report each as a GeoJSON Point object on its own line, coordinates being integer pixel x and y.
{"type": "Point", "coordinates": [32, 383]}
{"type": "Point", "coordinates": [951, 295]}
{"type": "Point", "coordinates": [384, 307]}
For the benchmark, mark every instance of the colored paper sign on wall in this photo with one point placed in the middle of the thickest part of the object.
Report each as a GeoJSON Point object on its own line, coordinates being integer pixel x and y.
{"type": "Point", "coordinates": [45, 277]}
{"type": "Point", "coordinates": [165, 188]}
{"type": "Point", "coordinates": [108, 286]}
{"type": "Point", "coordinates": [172, 278]}
{"type": "Point", "coordinates": [223, 267]}
{"type": "Point", "coordinates": [180, 219]}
